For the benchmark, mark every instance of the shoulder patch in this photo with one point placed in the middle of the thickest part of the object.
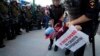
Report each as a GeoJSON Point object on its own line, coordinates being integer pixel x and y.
{"type": "Point", "coordinates": [92, 3]}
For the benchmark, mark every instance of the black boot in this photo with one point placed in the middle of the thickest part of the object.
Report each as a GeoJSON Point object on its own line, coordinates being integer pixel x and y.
{"type": "Point", "coordinates": [90, 40]}
{"type": "Point", "coordinates": [11, 37]}
{"type": "Point", "coordinates": [49, 47]}
{"type": "Point", "coordinates": [67, 52]}
{"type": "Point", "coordinates": [2, 46]}
{"type": "Point", "coordinates": [27, 29]}
{"type": "Point", "coordinates": [56, 48]}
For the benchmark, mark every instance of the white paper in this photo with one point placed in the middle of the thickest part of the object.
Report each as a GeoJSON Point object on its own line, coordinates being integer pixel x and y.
{"type": "Point", "coordinates": [72, 39]}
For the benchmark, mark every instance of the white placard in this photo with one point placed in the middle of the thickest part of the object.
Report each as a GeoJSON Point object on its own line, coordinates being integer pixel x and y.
{"type": "Point", "coordinates": [72, 39]}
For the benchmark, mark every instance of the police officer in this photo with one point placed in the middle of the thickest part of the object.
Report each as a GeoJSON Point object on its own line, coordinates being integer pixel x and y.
{"type": "Point", "coordinates": [39, 16]}
{"type": "Point", "coordinates": [56, 12]}
{"type": "Point", "coordinates": [22, 18]}
{"type": "Point", "coordinates": [2, 36]}
{"type": "Point", "coordinates": [84, 14]}
{"type": "Point", "coordinates": [15, 12]}
{"type": "Point", "coordinates": [28, 18]}
{"type": "Point", "coordinates": [2, 33]}
{"type": "Point", "coordinates": [6, 19]}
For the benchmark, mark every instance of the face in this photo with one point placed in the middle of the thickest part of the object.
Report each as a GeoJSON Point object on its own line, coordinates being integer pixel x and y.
{"type": "Point", "coordinates": [56, 2]}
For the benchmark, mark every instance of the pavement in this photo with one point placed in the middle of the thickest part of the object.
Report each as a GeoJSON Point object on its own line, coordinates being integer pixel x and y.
{"type": "Point", "coordinates": [35, 44]}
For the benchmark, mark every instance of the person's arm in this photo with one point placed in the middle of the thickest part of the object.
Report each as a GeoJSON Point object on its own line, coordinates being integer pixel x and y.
{"type": "Point", "coordinates": [89, 13]}
{"type": "Point", "coordinates": [51, 17]}
{"type": "Point", "coordinates": [81, 19]}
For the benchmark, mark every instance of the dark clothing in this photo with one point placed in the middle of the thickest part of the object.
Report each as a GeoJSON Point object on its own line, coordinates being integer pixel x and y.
{"type": "Point", "coordinates": [46, 21]}
{"type": "Point", "coordinates": [84, 7]}
{"type": "Point", "coordinates": [4, 19]}
{"type": "Point", "coordinates": [56, 13]}
{"type": "Point", "coordinates": [22, 19]}
{"type": "Point", "coordinates": [77, 8]}
{"type": "Point", "coordinates": [2, 33]}
{"type": "Point", "coordinates": [80, 52]}
{"type": "Point", "coordinates": [15, 19]}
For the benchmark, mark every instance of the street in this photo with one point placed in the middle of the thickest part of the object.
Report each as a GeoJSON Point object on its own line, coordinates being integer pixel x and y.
{"type": "Point", "coordinates": [35, 44]}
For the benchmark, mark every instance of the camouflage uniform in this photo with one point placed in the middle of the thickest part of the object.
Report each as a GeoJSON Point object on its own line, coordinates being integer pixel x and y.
{"type": "Point", "coordinates": [3, 22]}
{"type": "Point", "coordinates": [15, 12]}
{"type": "Point", "coordinates": [28, 20]}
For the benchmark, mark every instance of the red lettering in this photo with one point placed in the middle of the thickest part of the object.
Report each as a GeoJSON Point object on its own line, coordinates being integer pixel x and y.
{"type": "Point", "coordinates": [69, 37]}
{"type": "Point", "coordinates": [60, 43]}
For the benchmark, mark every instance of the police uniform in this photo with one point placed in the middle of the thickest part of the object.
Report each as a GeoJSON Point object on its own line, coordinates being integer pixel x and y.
{"type": "Point", "coordinates": [2, 26]}
{"type": "Point", "coordinates": [77, 8]}
{"type": "Point", "coordinates": [22, 19]}
{"type": "Point", "coordinates": [28, 20]}
{"type": "Point", "coordinates": [2, 36]}
{"type": "Point", "coordinates": [39, 17]}
{"type": "Point", "coordinates": [14, 9]}
{"type": "Point", "coordinates": [6, 21]}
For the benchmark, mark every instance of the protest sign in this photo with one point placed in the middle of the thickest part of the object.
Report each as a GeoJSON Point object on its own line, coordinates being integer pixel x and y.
{"type": "Point", "coordinates": [72, 39]}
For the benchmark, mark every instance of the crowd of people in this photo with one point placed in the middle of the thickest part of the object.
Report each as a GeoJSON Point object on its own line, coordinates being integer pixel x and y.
{"type": "Point", "coordinates": [14, 17]}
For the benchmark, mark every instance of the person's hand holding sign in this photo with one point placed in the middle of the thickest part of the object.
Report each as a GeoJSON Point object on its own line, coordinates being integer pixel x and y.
{"type": "Point", "coordinates": [78, 27]}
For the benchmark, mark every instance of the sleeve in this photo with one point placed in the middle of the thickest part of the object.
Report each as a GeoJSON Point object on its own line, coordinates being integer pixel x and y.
{"type": "Point", "coordinates": [90, 9]}
{"type": "Point", "coordinates": [51, 14]}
